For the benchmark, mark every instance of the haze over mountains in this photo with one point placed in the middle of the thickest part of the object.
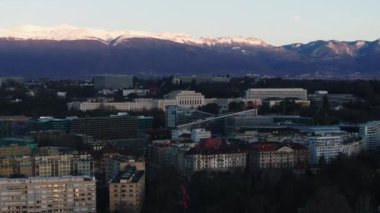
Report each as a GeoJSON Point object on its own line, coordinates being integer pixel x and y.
{"type": "Point", "coordinates": [73, 52]}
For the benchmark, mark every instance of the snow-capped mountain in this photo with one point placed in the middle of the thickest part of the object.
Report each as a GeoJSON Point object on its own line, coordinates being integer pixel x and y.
{"type": "Point", "coordinates": [67, 32]}
{"type": "Point", "coordinates": [73, 52]}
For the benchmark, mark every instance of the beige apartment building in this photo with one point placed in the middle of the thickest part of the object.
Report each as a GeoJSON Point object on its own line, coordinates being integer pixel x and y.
{"type": "Point", "coordinates": [277, 155]}
{"type": "Point", "coordinates": [127, 191]}
{"type": "Point", "coordinates": [48, 165]}
{"type": "Point", "coordinates": [53, 194]}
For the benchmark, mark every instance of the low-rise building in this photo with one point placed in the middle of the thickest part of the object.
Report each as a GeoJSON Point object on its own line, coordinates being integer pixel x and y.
{"type": "Point", "coordinates": [280, 93]}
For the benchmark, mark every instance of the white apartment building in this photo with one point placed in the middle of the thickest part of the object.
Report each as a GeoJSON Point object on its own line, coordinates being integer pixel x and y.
{"type": "Point", "coordinates": [53, 194]}
{"type": "Point", "coordinates": [281, 93]}
{"type": "Point", "coordinates": [370, 133]}
{"type": "Point", "coordinates": [199, 134]}
{"type": "Point", "coordinates": [327, 146]}
{"type": "Point", "coordinates": [214, 160]}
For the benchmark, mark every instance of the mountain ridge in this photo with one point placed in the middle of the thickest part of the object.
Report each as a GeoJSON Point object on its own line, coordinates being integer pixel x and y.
{"type": "Point", "coordinates": [71, 52]}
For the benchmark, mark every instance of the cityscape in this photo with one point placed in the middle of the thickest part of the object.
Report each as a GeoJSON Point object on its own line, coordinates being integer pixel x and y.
{"type": "Point", "coordinates": [179, 116]}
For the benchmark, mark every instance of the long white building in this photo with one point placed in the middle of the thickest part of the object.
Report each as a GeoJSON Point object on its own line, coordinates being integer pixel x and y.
{"type": "Point", "coordinates": [182, 98]}
{"type": "Point", "coordinates": [53, 194]}
{"type": "Point", "coordinates": [280, 93]}
{"type": "Point", "coordinates": [327, 146]}
{"type": "Point", "coordinates": [214, 160]}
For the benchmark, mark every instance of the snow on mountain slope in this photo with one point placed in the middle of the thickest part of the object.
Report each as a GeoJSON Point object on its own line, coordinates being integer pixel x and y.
{"type": "Point", "coordinates": [67, 32]}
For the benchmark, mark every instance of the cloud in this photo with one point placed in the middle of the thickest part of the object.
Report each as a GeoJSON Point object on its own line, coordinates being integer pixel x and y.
{"type": "Point", "coordinates": [297, 19]}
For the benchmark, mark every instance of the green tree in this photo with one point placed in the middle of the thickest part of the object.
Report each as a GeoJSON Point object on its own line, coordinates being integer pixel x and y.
{"type": "Point", "coordinates": [327, 200]}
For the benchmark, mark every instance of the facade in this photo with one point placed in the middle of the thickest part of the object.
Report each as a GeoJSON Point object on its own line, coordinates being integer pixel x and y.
{"type": "Point", "coordinates": [370, 132]}
{"type": "Point", "coordinates": [60, 165]}
{"type": "Point", "coordinates": [52, 124]}
{"type": "Point", "coordinates": [127, 191]}
{"type": "Point", "coordinates": [214, 160]}
{"type": "Point", "coordinates": [199, 134]}
{"type": "Point", "coordinates": [254, 121]}
{"type": "Point", "coordinates": [48, 166]}
{"type": "Point", "coordinates": [353, 147]}
{"type": "Point", "coordinates": [223, 103]}
{"type": "Point", "coordinates": [138, 92]}
{"type": "Point", "coordinates": [60, 139]}
{"type": "Point", "coordinates": [117, 163]}
{"type": "Point", "coordinates": [200, 79]}
{"type": "Point", "coordinates": [136, 105]}
{"type": "Point", "coordinates": [168, 154]}
{"type": "Point", "coordinates": [277, 155]}
{"type": "Point", "coordinates": [335, 100]}
{"type": "Point", "coordinates": [112, 127]}
{"type": "Point", "coordinates": [17, 147]}
{"type": "Point", "coordinates": [13, 125]}
{"type": "Point", "coordinates": [185, 98]}
{"type": "Point", "coordinates": [327, 146]}
{"type": "Point", "coordinates": [280, 93]}
{"type": "Point", "coordinates": [176, 115]}
{"type": "Point", "coordinates": [113, 81]}
{"type": "Point", "coordinates": [41, 194]}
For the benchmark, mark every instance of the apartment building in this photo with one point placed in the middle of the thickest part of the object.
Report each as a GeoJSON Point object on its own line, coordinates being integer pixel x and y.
{"type": "Point", "coordinates": [127, 191]}
{"type": "Point", "coordinates": [277, 155]}
{"type": "Point", "coordinates": [48, 165]}
{"type": "Point", "coordinates": [48, 194]}
{"type": "Point", "coordinates": [117, 163]}
{"type": "Point", "coordinates": [17, 147]}
{"type": "Point", "coordinates": [222, 159]}
{"type": "Point", "coordinates": [327, 146]}
{"type": "Point", "coordinates": [168, 154]}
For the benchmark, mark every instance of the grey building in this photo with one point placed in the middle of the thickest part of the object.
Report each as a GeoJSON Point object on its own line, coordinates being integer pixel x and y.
{"type": "Point", "coordinates": [113, 81]}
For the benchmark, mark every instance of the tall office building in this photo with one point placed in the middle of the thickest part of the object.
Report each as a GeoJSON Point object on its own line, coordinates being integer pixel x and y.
{"type": "Point", "coordinates": [279, 93]}
{"type": "Point", "coordinates": [39, 194]}
{"type": "Point", "coordinates": [113, 81]}
{"type": "Point", "coordinates": [370, 132]}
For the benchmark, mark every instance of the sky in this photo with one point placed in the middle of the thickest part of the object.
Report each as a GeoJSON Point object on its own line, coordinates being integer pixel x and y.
{"type": "Point", "coordinates": [277, 22]}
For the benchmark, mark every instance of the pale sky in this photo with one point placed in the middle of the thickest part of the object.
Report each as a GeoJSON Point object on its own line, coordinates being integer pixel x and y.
{"type": "Point", "coordinates": [275, 21]}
